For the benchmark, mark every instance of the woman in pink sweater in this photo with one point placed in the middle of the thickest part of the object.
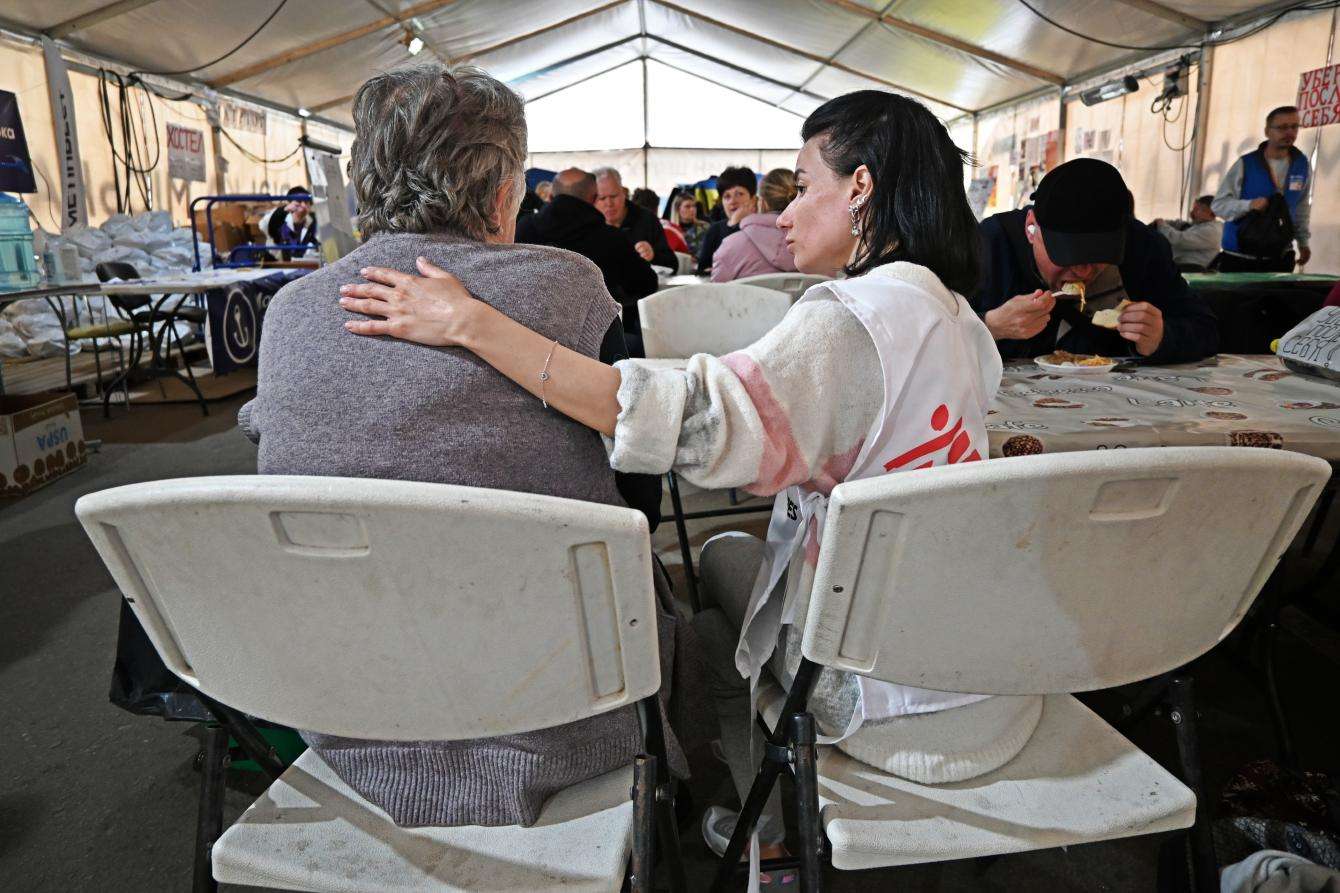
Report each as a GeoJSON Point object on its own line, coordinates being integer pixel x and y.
{"type": "Point", "coordinates": [759, 247]}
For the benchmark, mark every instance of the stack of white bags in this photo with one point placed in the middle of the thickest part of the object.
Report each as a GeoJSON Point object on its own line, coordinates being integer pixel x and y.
{"type": "Point", "coordinates": [147, 241]}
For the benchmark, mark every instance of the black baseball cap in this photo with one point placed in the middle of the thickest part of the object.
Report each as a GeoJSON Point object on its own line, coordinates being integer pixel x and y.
{"type": "Point", "coordinates": [1082, 208]}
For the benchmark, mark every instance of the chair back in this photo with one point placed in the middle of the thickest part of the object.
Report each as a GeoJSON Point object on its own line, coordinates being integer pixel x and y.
{"type": "Point", "coordinates": [1052, 573]}
{"type": "Point", "coordinates": [115, 269]}
{"type": "Point", "coordinates": [794, 284]}
{"type": "Point", "coordinates": [713, 318]}
{"type": "Point", "coordinates": [388, 610]}
{"type": "Point", "coordinates": [685, 263]}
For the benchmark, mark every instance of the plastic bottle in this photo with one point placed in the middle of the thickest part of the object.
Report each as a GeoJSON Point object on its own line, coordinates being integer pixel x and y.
{"type": "Point", "coordinates": [42, 247]}
{"type": "Point", "coordinates": [18, 261]}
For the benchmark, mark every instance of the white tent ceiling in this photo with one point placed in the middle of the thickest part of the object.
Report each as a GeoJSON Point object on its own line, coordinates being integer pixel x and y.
{"type": "Point", "coordinates": [958, 56]}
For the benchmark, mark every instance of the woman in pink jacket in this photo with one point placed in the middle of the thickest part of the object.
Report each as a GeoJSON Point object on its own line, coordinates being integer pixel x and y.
{"type": "Point", "coordinates": [759, 247]}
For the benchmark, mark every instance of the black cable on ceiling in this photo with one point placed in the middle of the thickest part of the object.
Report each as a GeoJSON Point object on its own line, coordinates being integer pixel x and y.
{"type": "Point", "coordinates": [234, 50]}
{"type": "Point", "coordinates": [1307, 5]}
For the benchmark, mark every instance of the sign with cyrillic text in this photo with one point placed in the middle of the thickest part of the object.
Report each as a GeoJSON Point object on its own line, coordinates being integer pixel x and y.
{"type": "Point", "coordinates": [1319, 97]}
{"type": "Point", "coordinates": [186, 153]}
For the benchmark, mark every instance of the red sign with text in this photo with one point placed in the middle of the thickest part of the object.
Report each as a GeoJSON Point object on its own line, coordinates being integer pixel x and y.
{"type": "Point", "coordinates": [1319, 97]}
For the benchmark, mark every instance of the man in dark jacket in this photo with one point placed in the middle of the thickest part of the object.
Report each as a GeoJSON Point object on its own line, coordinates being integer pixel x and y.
{"type": "Point", "coordinates": [639, 226]}
{"type": "Point", "coordinates": [571, 221]}
{"type": "Point", "coordinates": [1081, 229]}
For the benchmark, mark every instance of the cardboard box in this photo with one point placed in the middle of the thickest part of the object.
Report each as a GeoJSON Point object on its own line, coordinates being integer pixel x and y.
{"type": "Point", "coordinates": [231, 226]}
{"type": "Point", "coordinates": [231, 213]}
{"type": "Point", "coordinates": [41, 439]}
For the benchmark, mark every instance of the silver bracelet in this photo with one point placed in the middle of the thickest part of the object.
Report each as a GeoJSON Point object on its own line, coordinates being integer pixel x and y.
{"type": "Point", "coordinates": [544, 373]}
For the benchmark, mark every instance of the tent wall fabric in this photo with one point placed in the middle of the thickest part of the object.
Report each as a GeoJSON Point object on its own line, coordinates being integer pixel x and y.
{"type": "Point", "coordinates": [21, 70]}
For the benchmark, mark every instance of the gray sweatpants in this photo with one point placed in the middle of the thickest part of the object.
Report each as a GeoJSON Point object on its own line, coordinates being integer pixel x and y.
{"type": "Point", "coordinates": [728, 567]}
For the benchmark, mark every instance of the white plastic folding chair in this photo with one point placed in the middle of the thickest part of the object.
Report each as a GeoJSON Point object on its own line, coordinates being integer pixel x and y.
{"type": "Point", "coordinates": [794, 284]}
{"type": "Point", "coordinates": [712, 318]}
{"type": "Point", "coordinates": [715, 318]}
{"type": "Point", "coordinates": [1040, 575]}
{"type": "Point", "coordinates": [402, 611]}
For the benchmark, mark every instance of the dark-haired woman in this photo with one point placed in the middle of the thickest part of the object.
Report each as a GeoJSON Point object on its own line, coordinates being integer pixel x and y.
{"type": "Point", "coordinates": [869, 374]}
{"type": "Point", "coordinates": [737, 187]}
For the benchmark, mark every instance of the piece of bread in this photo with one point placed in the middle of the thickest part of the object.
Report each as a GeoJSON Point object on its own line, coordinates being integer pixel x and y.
{"type": "Point", "coordinates": [1108, 319]}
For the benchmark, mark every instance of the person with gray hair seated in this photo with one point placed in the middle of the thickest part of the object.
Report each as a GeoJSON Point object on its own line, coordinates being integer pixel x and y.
{"type": "Point", "coordinates": [437, 165]}
{"type": "Point", "coordinates": [571, 221]}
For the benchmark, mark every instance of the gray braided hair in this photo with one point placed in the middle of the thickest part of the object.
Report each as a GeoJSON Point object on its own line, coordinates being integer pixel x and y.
{"type": "Point", "coordinates": [431, 147]}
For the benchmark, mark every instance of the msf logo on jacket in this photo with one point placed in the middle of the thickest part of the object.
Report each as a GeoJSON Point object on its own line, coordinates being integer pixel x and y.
{"type": "Point", "coordinates": [950, 447]}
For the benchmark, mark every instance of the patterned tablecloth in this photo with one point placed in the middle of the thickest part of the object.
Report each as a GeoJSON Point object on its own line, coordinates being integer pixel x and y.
{"type": "Point", "coordinates": [1228, 400]}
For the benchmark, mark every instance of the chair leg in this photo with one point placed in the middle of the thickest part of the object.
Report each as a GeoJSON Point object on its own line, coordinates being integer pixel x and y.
{"type": "Point", "coordinates": [1205, 868]}
{"type": "Point", "coordinates": [1324, 503]}
{"type": "Point", "coordinates": [248, 737]}
{"type": "Point", "coordinates": [667, 833]}
{"type": "Point", "coordinates": [209, 819]}
{"type": "Point", "coordinates": [744, 826]}
{"type": "Point", "coordinates": [1283, 737]}
{"type": "Point", "coordinates": [807, 802]}
{"type": "Point", "coordinates": [685, 553]}
{"type": "Point", "coordinates": [779, 753]}
{"type": "Point", "coordinates": [667, 825]}
{"type": "Point", "coordinates": [644, 818]}
{"type": "Point", "coordinates": [190, 374]}
{"type": "Point", "coordinates": [123, 379]}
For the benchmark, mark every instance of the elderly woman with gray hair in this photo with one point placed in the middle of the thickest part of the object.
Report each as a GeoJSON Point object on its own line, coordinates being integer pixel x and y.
{"type": "Point", "coordinates": [437, 166]}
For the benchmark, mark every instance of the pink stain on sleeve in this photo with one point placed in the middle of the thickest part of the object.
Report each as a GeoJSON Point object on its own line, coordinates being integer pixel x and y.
{"type": "Point", "coordinates": [836, 469]}
{"type": "Point", "coordinates": [782, 463]}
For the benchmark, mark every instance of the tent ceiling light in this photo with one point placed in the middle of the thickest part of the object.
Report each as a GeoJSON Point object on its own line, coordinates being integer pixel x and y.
{"type": "Point", "coordinates": [304, 113]}
{"type": "Point", "coordinates": [415, 46]}
{"type": "Point", "coordinates": [1110, 90]}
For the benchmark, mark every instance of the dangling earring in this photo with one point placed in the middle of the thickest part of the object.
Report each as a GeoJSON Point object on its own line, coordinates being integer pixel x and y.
{"type": "Point", "coordinates": [852, 209]}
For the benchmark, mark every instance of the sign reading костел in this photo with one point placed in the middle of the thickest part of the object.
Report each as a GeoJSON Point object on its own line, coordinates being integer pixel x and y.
{"type": "Point", "coordinates": [186, 153]}
{"type": "Point", "coordinates": [1319, 96]}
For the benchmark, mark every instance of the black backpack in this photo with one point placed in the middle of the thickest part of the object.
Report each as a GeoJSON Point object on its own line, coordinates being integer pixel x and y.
{"type": "Point", "coordinates": [1270, 232]}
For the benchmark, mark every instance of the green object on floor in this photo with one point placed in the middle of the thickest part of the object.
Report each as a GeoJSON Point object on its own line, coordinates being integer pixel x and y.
{"type": "Point", "coordinates": [287, 743]}
{"type": "Point", "coordinates": [1207, 279]}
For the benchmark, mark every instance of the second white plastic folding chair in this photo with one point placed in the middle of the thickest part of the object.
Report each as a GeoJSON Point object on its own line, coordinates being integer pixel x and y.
{"type": "Point", "coordinates": [1034, 576]}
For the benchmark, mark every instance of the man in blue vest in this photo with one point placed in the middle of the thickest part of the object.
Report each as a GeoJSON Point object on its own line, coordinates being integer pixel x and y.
{"type": "Point", "coordinates": [1275, 166]}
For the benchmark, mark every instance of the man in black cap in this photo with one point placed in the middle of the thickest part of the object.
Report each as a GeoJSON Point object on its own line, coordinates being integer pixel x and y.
{"type": "Point", "coordinates": [1081, 229]}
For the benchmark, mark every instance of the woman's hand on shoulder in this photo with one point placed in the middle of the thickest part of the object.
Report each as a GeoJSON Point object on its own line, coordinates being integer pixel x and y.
{"type": "Point", "coordinates": [433, 309]}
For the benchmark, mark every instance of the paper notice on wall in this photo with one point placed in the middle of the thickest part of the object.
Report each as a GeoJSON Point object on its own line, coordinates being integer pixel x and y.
{"type": "Point", "coordinates": [74, 201]}
{"type": "Point", "coordinates": [186, 153]}
{"type": "Point", "coordinates": [333, 226]}
{"type": "Point", "coordinates": [979, 193]}
{"type": "Point", "coordinates": [1319, 97]}
{"type": "Point", "coordinates": [242, 117]}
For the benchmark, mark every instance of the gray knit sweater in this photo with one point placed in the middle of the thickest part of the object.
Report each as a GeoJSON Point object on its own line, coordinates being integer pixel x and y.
{"type": "Point", "coordinates": [332, 403]}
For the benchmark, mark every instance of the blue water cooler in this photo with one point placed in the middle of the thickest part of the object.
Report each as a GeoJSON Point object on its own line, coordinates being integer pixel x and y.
{"type": "Point", "coordinates": [18, 264]}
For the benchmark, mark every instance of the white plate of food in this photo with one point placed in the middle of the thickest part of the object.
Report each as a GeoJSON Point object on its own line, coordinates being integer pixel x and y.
{"type": "Point", "coordinates": [1063, 362]}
